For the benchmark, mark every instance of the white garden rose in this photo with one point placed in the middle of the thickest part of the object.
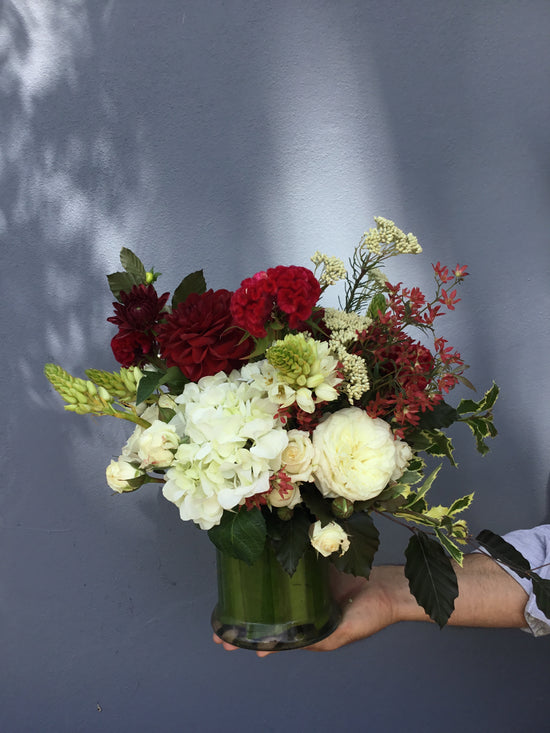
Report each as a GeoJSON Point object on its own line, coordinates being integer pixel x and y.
{"type": "Point", "coordinates": [156, 445]}
{"type": "Point", "coordinates": [297, 457]}
{"type": "Point", "coordinates": [119, 473]}
{"type": "Point", "coordinates": [355, 455]}
{"type": "Point", "coordinates": [328, 539]}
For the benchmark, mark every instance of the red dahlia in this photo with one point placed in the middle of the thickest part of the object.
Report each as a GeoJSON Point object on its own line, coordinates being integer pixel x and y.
{"type": "Point", "coordinates": [139, 310]}
{"type": "Point", "coordinates": [200, 336]}
{"type": "Point", "coordinates": [132, 348]}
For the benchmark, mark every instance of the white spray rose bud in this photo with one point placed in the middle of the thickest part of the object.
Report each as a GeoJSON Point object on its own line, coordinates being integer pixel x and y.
{"type": "Point", "coordinates": [328, 539]}
{"type": "Point", "coordinates": [297, 457]}
{"type": "Point", "coordinates": [157, 444]}
{"type": "Point", "coordinates": [120, 473]}
{"type": "Point", "coordinates": [290, 499]}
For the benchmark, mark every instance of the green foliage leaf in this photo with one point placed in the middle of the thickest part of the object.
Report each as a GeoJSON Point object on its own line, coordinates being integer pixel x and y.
{"type": "Point", "coordinates": [175, 380]}
{"type": "Point", "coordinates": [122, 282]}
{"type": "Point", "coordinates": [466, 382]}
{"type": "Point", "coordinates": [440, 445]}
{"type": "Point", "coordinates": [166, 414]}
{"type": "Point", "coordinates": [409, 477]}
{"type": "Point", "coordinates": [364, 542]}
{"type": "Point", "coordinates": [132, 264]}
{"type": "Point", "coordinates": [442, 416]}
{"type": "Point", "coordinates": [289, 539]}
{"type": "Point", "coordinates": [423, 490]}
{"type": "Point", "coordinates": [454, 551]}
{"type": "Point", "coordinates": [459, 505]}
{"type": "Point", "coordinates": [485, 403]}
{"type": "Point", "coordinates": [504, 552]}
{"type": "Point", "coordinates": [240, 534]}
{"type": "Point", "coordinates": [320, 507]}
{"type": "Point", "coordinates": [193, 283]}
{"type": "Point", "coordinates": [541, 590]}
{"type": "Point", "coordinates": [262, 344]}
{"type": "Point", "coordinates": [481, 427]}
{"type": "Point", "coordinates": [432, 579]}
{"type": "Point", "coordinates": [417, 465]}
{"type": "Point", "coordinates": [148, 384]}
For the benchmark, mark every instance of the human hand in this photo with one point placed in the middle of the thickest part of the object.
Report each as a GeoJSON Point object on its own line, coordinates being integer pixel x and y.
{"type": "Point", "coordinates": [367, 607]}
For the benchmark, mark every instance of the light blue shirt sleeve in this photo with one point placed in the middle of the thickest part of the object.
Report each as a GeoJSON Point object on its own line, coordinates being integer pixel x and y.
{"type": "Point", "coordinates": [534, 545]}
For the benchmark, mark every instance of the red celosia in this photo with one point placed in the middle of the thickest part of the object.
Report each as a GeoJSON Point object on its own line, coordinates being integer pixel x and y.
{"type": "Point", "coordinates": [297, 290]}
{"type": "Point", "coordinates": [200, 336]}
{"type": "Point", "coordinates": [252, 303]}
{"type": "Point", "coordinates": [287, 292]}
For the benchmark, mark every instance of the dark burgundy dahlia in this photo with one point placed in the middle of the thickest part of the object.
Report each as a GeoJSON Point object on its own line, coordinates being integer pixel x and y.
{"type": "Point", "coordinates": [137, 317]}
{"type": "Point", "coordinates": [200, 336]}
{"type": "Point", "coordinates": [139, 310]}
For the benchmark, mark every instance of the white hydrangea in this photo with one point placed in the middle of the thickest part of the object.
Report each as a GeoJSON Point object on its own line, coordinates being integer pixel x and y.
{"type": "Point", "coordinates": [232, 442]}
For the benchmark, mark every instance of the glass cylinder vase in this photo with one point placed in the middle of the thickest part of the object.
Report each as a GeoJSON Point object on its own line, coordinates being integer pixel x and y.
{"type": "Point", "coordinates": [261, 607]}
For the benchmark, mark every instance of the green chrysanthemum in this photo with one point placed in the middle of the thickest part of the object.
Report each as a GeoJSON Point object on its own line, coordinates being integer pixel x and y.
{"type": "Point", "coordinates": [294, 358]}
{"type": "Point", "coordinates": [305, 366]}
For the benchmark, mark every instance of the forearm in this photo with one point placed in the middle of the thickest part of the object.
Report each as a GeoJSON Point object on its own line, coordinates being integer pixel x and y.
{"type": "Point", "coordinates": [488, 596]}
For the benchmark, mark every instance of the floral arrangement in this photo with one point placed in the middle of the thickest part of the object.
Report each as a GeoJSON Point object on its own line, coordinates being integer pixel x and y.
{"type": "Point", "coordinates": [267, 417]}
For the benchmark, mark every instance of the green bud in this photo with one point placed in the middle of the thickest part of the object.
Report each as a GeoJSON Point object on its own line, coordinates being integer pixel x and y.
{"type": "Point", "coordinates": [151, 276]}
{"type": "Point", "coordinates": [342, 508]}
{"type": "Point", "coordinates": [81, 398]}
{"type": "Point", "coordinates": [92, 389]}
{"type": "Point", "coordinates": [285, 513]}
{"type": "Point", "coordinates": [102, 392]}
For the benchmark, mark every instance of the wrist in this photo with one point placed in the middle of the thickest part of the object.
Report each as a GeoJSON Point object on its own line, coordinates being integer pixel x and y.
{"type": "Point", "coordinates": [394, 587]}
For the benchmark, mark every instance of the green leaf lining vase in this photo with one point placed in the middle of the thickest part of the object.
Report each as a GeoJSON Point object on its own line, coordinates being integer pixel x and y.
{"type": "Point", "coordinates": [261, 607]}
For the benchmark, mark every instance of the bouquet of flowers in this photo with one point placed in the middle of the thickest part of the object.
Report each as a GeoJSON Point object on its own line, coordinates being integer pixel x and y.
{"type": "Point", "coordinates": [268, 418]}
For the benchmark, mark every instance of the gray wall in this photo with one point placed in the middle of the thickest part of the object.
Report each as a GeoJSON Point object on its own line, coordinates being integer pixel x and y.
{"type": "Point", "coordinates": [235, 135]}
